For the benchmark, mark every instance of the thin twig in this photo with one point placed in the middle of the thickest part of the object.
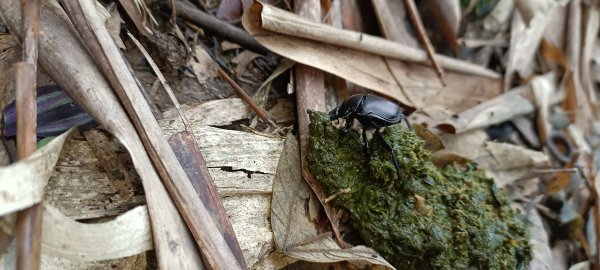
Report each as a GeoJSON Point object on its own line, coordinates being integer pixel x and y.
{"type": "Point", "coordinates": [29, 221]}
{"type": "Point", "coordinates": [163, 81]}
{"type": "Point", "coordinates": [244, 96]}
{"type": "Point", "coordinates": [418, 24]}
{"type": "Point", "coordinates": [221, 28]}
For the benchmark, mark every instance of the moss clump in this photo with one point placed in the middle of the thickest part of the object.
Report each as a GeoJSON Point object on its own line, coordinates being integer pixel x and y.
{"type": "Point", "coordinates": [428, 219]}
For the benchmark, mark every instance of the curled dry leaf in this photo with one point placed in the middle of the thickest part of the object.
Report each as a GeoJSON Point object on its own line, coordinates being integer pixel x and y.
{"type": "Point", "coordinates": [33, 174]}
{"type": "Point", "coordinates": [127, 235]}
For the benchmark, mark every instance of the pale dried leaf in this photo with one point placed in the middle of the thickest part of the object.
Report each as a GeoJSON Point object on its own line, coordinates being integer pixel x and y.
{"type": "Point", "coordinates": [33, 174]}
{"type": "Point", "coordinates": [289, 219]}
{"type": "Point", "coordinates": [540, 244]}
{"type": "Point", "coordinates": [493, 111]}
{"type": "Point", "coordinates": [591, 35]}
{"type": "Point", "coordinates": [524, 42]}
{"type": "Point", "coordinates": [140, 261]}
{"type": "Point", "coordinates": [585, 265]}
{"type": "Point", "coordinates": [510, 156]}
{"type": "Point", "coordinates": [325, 250]}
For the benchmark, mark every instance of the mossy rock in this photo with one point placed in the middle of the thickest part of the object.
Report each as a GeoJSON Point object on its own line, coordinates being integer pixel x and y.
{"type": "Point", "coordinates": [429, 218]}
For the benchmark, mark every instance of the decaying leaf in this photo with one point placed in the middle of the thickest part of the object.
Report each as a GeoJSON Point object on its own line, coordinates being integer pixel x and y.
{"type": "Point", "coordinates": [203, 66]}
{"type": "Point", "coordinates": [289, 218]}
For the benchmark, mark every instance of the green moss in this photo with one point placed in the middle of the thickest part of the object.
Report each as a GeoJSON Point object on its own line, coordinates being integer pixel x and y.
{"type": "Point", "coordinates": [430, 218]}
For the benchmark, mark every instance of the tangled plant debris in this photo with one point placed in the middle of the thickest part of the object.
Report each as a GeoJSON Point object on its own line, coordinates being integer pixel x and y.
{"type": "Point", "coordinates": [450, 218]}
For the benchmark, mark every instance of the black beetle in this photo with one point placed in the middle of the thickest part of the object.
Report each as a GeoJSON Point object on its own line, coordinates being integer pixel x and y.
{"type": "Point", "coordinates": [373, 112]}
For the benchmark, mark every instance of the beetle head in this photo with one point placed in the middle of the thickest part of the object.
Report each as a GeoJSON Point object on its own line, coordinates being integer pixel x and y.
{"type": "Point", "coordinates": [347, 108]}
{"type": "Point", "coordinates": [334, 114]}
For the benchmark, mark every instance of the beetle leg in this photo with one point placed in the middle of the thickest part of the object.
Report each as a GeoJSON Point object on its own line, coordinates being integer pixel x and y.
{"type": "Point", "coordinates": [394, 158]}
{"type": "Point", "coordinates": [366, 143]}
{"type": "Point", "coordinates": [347, 126]}
{"type": "Point", "coordinates": [407, 123]}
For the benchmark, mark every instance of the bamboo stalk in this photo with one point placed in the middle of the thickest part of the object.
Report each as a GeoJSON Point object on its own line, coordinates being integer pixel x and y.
{"type": "Point", "coordinates": [29, 221]}
{"type": "Point", "coordinates": [418, 24]}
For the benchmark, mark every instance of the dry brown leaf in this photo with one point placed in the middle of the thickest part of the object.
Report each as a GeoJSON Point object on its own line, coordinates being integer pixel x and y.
{"type": "Point", "coordinates": [562, 179]}
{"type": "Point", "coordinates": [242, 61]}
{"type": "Point", "coordinates": [366, 69]}
{"type": "Point", "coordinates": [33, 174]}
{"type": "Point", "coordinates": [203, 66]}
{"type": "Point", "coordinates": [432, 142]}
{"type": "Point", "coordinates": [447, 15]}
{"type": "Point", "coordinates": [510, 156]}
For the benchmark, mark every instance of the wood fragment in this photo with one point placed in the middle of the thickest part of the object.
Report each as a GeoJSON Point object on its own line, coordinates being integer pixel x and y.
{"type": "Point", "coordinates": [310, 95]}
{"type": "Point", "coordinates": [29, 221]}
{"type": "Point", "coordinates": [418, 24]}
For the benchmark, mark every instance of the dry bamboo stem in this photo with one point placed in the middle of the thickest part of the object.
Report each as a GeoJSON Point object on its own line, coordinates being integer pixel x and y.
{"type": "Point", "coordinates": [418, 24]}
{"type": "Point", "coordinates": [29, 221]}
{"type": "Point", "coordinates": [310, 94]}
{"type": "Point", "coordinates": [276, 21]}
